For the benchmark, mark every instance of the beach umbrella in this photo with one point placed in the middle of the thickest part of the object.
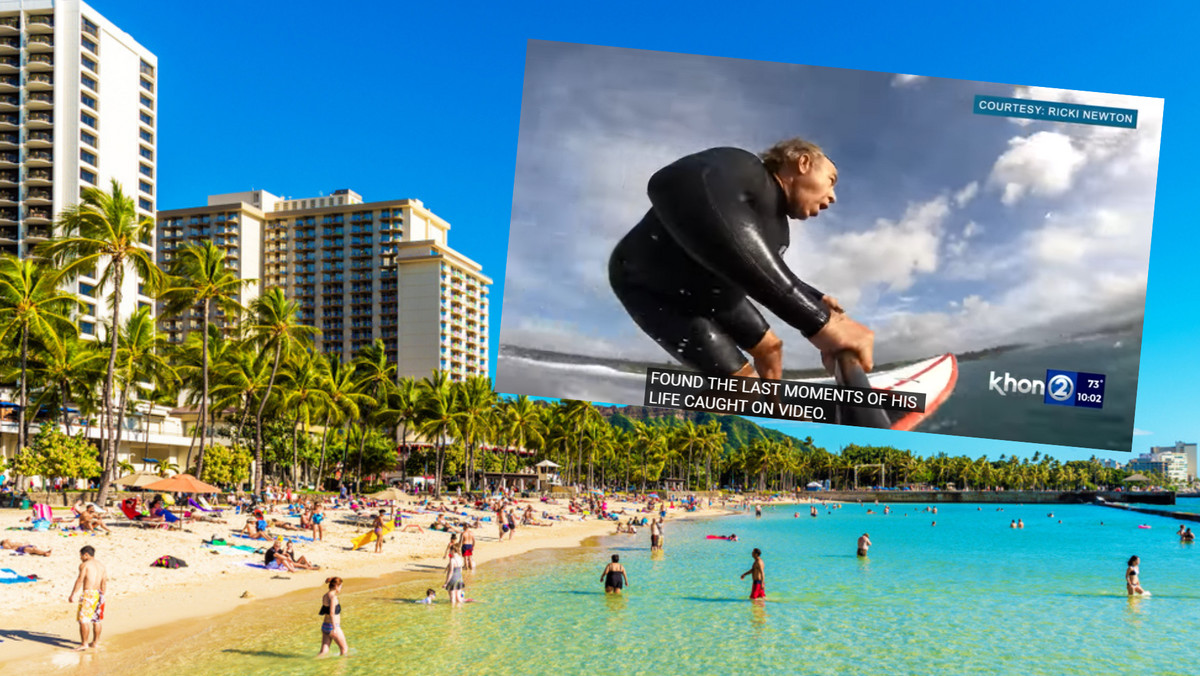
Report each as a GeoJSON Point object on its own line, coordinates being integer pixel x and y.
{"type": "Point", "coordinates": [138, 479]}
{"type": "Point", "coordinates": [1140, 478]}
{"type": "Point", "coordinates": [392, 493]}
{"type": "Point", "coordinates": [182, 483]}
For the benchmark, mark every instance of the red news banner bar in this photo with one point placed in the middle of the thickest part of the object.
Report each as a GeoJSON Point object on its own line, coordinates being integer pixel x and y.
{"type": "Point", "coordinates": [760, 397]}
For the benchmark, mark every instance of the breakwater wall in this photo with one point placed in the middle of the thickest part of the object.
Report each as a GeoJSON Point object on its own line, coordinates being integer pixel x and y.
{"type": "Point", "coordinates": [1178, 516]}
{"type": "Point", "coordinates": [998, 497]}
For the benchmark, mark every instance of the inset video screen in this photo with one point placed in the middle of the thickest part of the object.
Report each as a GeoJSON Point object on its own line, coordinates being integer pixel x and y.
{"type": "Point", "coordinates": [837, 246]}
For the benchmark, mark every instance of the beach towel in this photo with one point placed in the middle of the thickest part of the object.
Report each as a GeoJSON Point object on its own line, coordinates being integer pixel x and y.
{"type": "Point", "coordinates": [10, 576]}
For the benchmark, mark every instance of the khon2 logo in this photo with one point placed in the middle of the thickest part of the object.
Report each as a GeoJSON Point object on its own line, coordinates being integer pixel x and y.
{"type": "Point", "coordinates": [1060, 388]}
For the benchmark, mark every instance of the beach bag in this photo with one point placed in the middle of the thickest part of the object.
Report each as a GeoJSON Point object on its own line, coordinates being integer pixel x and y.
{"type": "Point", "coordinates": [168, 562]}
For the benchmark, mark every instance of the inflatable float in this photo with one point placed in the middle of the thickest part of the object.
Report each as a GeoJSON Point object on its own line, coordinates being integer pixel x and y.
{"type": "Point", "coordinates": [369, 536]}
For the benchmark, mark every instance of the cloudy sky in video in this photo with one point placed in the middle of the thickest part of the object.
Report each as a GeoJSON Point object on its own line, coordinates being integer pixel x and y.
{"type": "Point", "coordinates": [952, 231]}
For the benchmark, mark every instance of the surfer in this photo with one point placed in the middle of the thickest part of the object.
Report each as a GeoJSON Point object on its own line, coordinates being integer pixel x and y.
{"type": "Point", "coordinates": [712, 241]}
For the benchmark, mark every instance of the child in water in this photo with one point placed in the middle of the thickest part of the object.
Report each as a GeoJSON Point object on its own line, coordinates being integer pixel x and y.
{"type": "Point", "coordinates": [430, 597]}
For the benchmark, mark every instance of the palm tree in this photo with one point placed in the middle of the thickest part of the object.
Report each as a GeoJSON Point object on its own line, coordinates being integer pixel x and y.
{"type": "Point", "coordinates": [525, 425]}
{"type": "Point", "coordinates": [344, 401]}
{"type": "Point", "coordinates": [104, 232]}
{"type": "Point", "coordinates": [376, 379]}
{"type": "Point", "coordinates": [141, 358]}
{"type": "Point", "coordinates": [276, 328]}
{"type": "Point", "coordinates": [200, 276]}
{"type": "Point", "coordinates": [305, 382]}
{"type": "Point", "coordinates": [31, 303]}
{"type": "Point", "coordinates": [405, 403]}
{"type": "Point", "coordinates": [68, 371]}
{"type": "Point", "coordinates": [473, 417]}
{"type": "Point", "coordinates": [437, 417]}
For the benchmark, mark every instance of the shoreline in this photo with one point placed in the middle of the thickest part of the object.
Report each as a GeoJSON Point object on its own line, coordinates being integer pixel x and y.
{"type": "Point", "coordinates": [44, 631]}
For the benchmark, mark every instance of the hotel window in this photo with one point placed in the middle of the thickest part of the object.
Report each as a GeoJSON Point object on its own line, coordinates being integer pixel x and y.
{"type": "Point", "coordinates": [148, 86]}
{"type": "Point", "coordinates": [88, 100]}
{"type": "Point", "coordinates": [146, 136]}
{"type": "Point", "coordinates": [147, 69]}
{"type": "Point", "coordinates": [147, 101]}
{"type": "Point", "coordinates": [88, 138]}
{"type": "Point", "coordinates": [88, 156]}
{"type": "Point", "coordinates": [87, 289]}
{"type": "Point", "coordinates": [147, 120]}
{"type": "Point", "coordinates": [146, 171]}
{"type": "Point", "coordinates": [90, 64]}
{"type": "Point", "coordinates": [89, 82]}
{"type": "Point", "coordinates": [146, 204]}
{"type": "Point", "coordinates": [87, 176]}
{"type": "Point", "coordinates": [87, 328]}
{"type": "Point", "coordinates": [147, 153]}
{"type": "Point", "coordinates": [90, 28]}
{"type": "Point", "coordinates": [146, 187]}
{"type": "Point", "coordinates": [89, 120]}
{"type": "Point", "coordinates": [89, 45]}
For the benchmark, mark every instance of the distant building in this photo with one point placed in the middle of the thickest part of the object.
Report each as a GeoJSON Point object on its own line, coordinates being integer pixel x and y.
{"type": "Point", "coordinates": [1168, 462]}
{"type": "Point", "coordinates": [1188, 450]}
{"type": "Point", "coordinates": [360, 271]}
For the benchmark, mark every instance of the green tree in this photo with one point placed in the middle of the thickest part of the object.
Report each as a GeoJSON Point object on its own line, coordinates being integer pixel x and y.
{"type": "Point", "coordinates": [104, 232]}
{"type": "Point", "coordinates": [227, 465]}
{"type": "Point", "coordinates": [31, 305]}
{"type": "Point", "coordinates": [277, 329]}
{"type": "Point", "coordinates": [200, 277]}
{"type": "Point", "coordinates": [54, 455]}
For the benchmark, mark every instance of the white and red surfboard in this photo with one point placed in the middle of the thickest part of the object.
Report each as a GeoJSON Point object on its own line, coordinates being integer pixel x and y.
{"type": "Point", "coordinates": [934, 377]}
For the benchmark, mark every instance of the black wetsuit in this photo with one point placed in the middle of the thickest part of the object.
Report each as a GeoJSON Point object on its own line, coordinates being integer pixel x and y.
{"type": "Point", "coordinates": [713, 239]}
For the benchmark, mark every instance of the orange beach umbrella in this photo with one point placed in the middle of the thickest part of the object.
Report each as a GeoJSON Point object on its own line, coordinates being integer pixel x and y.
{"type": "Point", "coordinates": [182, 483]}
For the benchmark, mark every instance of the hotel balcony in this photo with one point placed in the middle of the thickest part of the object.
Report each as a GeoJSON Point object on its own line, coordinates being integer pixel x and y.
{"type": "Point", "coordinates": [41, 43]}
{"type": "Point", "coordinates": [40, 120]}
{"type": "Point", "coordinates": [8, 140]}
{"type": "Point", "coordinates": [40, 81]}
{"type": "Point", "coordinates": [10, 25]}
{"type": "Point", "coordinates": [39, 158]}
{"type": "Point", "coordinates": [39, 177]}
{"type": "Point", "coordinates": [9, 83]}
{"type": "Point", "coordinates": [39, 63]}
{"type": "Point", "coordinates": [38, 216]}
{"type": "Point", "coordinates": [39, 197]}
{"type": "Point", "coordinates": [41, 24]}
{"type": "Point", "coordinates": [8, 178]}
{"type": "Point", "coordinates": [40, 139]}
{"type": "Point", "coordinates": [10, 64]}
{"type": "Point", "coordinates": [10, 45]}
{"type": "Point", "coordinates": [9, 102]}
{"type": "Point", "coordinates": [8, 198]}
{"type": "Point", "coordinates": [40, 101]}
{"type": "Point", "coordinates": [37, 233]}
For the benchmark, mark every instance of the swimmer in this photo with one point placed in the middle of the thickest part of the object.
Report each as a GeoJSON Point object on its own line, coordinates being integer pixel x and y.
{"type": "Point", "coordinates": [864, 543]}
{"type": "Point", "coordinates": [1132, 584]}
{"type": "Point", "coordinates": [712, 242]}
{"type": "Point", "coordinates": [430, 598]}
{"type": "Point", "coordinates": [1188, 536]}
{"type": "Point", "coordinates": [1012, 524]}
{"type": "Point", "coordinates": [614, 577]}
{"type": "Point", "coordinates": [757, 576]}
{"type": "Point", "coordinates": [1020, 523]}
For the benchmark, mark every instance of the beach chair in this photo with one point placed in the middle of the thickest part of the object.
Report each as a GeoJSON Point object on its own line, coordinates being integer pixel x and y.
{"type": "Point", "coordinates": [197, 504]}
{"type": "Point", "coordinates": [205, 506]}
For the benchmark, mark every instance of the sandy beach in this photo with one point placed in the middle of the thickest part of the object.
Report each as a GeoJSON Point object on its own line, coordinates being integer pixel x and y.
{"type": "Point", "coordinates": [40, 620]}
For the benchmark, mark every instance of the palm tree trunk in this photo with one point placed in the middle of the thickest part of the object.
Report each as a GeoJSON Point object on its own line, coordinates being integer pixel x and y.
{"type": "Point", "coordinates": [324, 439]}
{"type": "Point", "coordinates": [362, 444]}
{"type": "Point", "coordinates": [258, 449]}
{"type": "Point", "coordinates": [110, 453]}
{"type": "Point", "coordinates": [295, 455]}
{"type": "Point", "coordinates": [345, 455]}
{"type": "Point", "coordinates": [22, 419]}
{"type": "Point", "coordinates": [66, 416]}
{"type": "Point", "coordinates": [441, 458]}
{"type": "Point", "coordinates": [192, 447]}
{"type": "Point", "coordinates": [120, 421]}
{"type": "Point", "coordinates": [203, 389]}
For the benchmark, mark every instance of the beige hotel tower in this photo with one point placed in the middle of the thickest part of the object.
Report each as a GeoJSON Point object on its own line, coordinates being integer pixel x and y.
{"type": "Point", "coordinates": [359, 271]}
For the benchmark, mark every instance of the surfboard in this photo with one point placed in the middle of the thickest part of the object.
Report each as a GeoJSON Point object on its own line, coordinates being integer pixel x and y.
{"type": "Point", "coordinates": [369, 536]}
{"type": "Point", "coordinates": [934, 377]}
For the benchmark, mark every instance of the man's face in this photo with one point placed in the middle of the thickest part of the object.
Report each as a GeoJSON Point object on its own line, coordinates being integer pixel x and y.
{"type": "Point", "coordinates": [812, 186]}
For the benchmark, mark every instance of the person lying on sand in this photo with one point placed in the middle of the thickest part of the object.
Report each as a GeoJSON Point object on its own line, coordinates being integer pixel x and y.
{"type": "Point", "coordinates": [256, 528]}
{"type": "Point", "coordinates": [24, 548]}
{"type": "Point", "coordinates": [283, 525]}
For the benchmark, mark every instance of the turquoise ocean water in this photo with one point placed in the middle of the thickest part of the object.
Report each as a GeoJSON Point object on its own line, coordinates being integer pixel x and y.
{"type": "Point", "coordinates": [969, 595]}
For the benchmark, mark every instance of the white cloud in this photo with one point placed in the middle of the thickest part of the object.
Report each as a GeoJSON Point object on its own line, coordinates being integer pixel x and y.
{"type": "Point", "coordinates": [1043, 164]}
{"type": "Point", "coordinates": [968, 193]}
{"type": "Point", "coordinates": [971, 230]}
{"type": "Point", "coordinates": [905, 80]}
{"type": "Point", "coordinates": [1141, 433]}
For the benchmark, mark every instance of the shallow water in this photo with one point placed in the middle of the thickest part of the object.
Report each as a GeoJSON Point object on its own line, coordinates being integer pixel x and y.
{"type": "Point", "coordinates": [969, 595]}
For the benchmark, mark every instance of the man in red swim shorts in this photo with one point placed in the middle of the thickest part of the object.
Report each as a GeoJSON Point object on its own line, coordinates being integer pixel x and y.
{"type": "Point", "coordinates": [756, 576]}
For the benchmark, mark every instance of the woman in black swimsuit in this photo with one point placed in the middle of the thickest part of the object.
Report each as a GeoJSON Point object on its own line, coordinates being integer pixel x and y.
{"type": "Point", "coordinates": [614, 576]}
{"type": "Point", "coordinates": [331, 618]}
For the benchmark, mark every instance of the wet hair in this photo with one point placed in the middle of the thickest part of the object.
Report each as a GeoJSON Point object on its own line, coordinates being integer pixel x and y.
{"type": "Point", "coordinates": [788, 152]}
{"type": "Point", "coordinates": [756, 553]}
{"type": "Point", "coordinates": [616, 558]}
{"type": "Point", "coordinates": [1132, 559]}
{"type": "Point", "coordinates": [88, 549]}
{"type": "Point", "coordinates": [333, 581]}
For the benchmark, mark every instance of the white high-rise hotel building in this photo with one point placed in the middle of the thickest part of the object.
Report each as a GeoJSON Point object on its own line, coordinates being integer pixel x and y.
{"type": "Point", "coordinates": [77, 109]}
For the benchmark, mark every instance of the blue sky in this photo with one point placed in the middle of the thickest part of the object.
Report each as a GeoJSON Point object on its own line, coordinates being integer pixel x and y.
{"type": "Point", "coordinates": [424, 100]}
